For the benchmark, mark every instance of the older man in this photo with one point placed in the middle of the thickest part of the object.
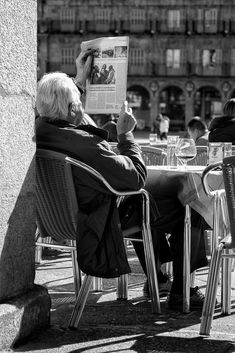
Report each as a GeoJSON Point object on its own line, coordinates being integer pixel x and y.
{"type": "Point", "coordinates": [59, 128]}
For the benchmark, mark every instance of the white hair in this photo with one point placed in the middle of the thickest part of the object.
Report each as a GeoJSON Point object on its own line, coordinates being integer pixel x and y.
{"type": "Point", "coordinates": [54, 95]}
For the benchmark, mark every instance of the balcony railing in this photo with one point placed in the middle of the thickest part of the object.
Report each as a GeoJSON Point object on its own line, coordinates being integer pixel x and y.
{"type": "Point", "coordinates": [187, 27]}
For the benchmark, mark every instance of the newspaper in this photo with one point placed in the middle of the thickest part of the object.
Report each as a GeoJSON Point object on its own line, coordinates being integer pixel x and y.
{"type": "Point", "coordinates": [106, 87]}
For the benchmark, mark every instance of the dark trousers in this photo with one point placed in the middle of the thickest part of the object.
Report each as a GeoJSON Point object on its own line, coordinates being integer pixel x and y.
{"type": "Point", "coordinates": [167, 216]}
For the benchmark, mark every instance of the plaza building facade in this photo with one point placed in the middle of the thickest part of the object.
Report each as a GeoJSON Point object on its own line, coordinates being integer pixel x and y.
{"type": "Point", "coordinates": [181, 55]}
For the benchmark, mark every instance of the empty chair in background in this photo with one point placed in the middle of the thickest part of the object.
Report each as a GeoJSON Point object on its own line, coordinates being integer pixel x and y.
{"type": "Point", "coordinates": [153, 155]}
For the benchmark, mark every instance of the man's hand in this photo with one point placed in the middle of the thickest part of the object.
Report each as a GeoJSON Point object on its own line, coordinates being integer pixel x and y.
{"type": "Point", "coordinates": [126, 121]}
{"type": "Point", "coordinates": [83, 64]}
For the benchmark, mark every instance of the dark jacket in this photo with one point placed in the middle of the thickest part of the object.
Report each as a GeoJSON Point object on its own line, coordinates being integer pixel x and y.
{"type": "Point", "coordinates": [202, 140]}
{"type": "Point", "coordinates": [222, 129]}
{"type": "Point", "coordinates": [100, 246]}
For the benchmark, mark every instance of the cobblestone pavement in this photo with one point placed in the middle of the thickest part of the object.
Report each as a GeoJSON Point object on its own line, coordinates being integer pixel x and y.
{"type": "Point", "coordinates": [108, 325]}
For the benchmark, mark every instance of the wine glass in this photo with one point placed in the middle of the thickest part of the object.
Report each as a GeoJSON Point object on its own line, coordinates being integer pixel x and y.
{"type": "Point", "coordinates": [185, 150]}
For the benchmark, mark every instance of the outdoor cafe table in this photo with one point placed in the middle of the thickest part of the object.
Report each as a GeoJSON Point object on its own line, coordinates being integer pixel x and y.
{"type": "Point", "coordinates": [192, 195]}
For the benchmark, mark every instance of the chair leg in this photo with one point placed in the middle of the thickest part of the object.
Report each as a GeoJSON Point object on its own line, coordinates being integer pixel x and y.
{"type": "Point", "coordinates": [211, 289]}
{"type": "Point", "coordinates": [151, 272]}
{"type": "Point", "coordinates": [80, 302]}
{"type": "Point", "coordinates": [226, 283]}
{"type": "Point", "coordinates": [167, 268]}
{"type": "Point", "coordinates": [122, 287]}
{"type": "Point", "coordinates": [150, 258]}
{"type": "Point", "coordinates": [186, 259]}
{"type": "Point", "coordinates": [122, 283]}
{"type": "Point", "coordinates": [216, 220]}
{"type": "Point", "coordinates": [97, 284]}
{"type": "Point", "coordinates": [76, 272]}
{"type": "Point", "coordinates": [192, 279]}
{"type": "Point", "coordinates": [38, 254]}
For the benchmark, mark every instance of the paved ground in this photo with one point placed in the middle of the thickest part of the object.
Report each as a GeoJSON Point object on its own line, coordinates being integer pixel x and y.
{"type": "Point", "coordinates": [108, 325]}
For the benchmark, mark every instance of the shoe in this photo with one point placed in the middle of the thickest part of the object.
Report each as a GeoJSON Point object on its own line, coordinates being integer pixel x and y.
{"type": "Point", "coordinates": [164, 288]}
{"type": "Point", "coordinates": [175, 301]}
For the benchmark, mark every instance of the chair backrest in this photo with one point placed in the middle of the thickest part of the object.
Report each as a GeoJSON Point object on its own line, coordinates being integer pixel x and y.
{"type": "Point", "coordinates": [228, 167]}
{"type": "Point", "coordinates": [153, 155]}
{"type": "Point", "coordinates": [57, 208]}
{"type": "Point", "coordinates": [201, 157]}
{"type": "Point", "coordinates": [233, 150]}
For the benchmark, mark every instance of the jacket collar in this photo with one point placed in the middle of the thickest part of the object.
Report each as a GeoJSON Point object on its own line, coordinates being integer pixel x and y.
{"type": "Point", "coordinates": [88, 128]}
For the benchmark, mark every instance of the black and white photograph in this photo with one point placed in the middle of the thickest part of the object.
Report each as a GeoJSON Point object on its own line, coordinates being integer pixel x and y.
{"type": "Point", "coordinates": [120, 51]}
{"type": "Point", "coordinates": [103, 74]}
{"type": "Point", "coordinates": [117, 176]}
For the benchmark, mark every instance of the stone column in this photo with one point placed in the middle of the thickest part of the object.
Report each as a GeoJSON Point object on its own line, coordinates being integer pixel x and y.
{"type": "Point", "coordinates": [189, 113]}
{"type": "Point", "coordinates": [154, 102]}
{"type": "Point", "coordinates": [24, 307]}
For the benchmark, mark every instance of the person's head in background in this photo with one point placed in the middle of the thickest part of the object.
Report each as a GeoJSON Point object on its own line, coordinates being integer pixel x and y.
{"type": "Point", "coordinates": [229, 108]}
{"type": "Point", "coordinates": [196, 128]}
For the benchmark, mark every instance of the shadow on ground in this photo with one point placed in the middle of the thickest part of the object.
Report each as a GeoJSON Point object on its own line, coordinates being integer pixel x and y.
{"type": "Point", "coordinates": [108, 325]}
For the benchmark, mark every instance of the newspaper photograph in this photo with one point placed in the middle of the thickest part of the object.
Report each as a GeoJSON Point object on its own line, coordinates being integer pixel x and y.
{"type": "Point", "coordinates": [106, 87]}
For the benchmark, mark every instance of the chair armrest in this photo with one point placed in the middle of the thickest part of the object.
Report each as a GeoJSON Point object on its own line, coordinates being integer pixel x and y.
{"type": "Point", "coordinates": [96, 174]}
{"type": "Point", "coordinates": [205, 174]}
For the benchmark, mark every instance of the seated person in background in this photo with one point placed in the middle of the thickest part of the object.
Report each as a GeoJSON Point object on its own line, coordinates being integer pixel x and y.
{"type": "Point", "coordinates": [59, 128]}
{"type": "Point", "coordinates": [197, 131]}
{"type": "Point", "coordinates": [222, 128]}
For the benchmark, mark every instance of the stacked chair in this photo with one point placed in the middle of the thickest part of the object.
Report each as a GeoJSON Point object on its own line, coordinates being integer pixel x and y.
{"type": "Point", "coordinates": [153, 155]}
{"type": "Point", "coordinates": [222, 253]}
{"type": "Point", "coordinates": [57, 217]}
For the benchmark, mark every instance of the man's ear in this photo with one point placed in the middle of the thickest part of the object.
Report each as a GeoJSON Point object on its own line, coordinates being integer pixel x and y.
{"type": "Point", "coordinates": [72, 109]}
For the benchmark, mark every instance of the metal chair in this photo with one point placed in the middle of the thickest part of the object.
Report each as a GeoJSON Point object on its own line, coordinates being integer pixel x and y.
{"type": "Point", "coordinates": [57, 215]}
{"type": "Point", "coordinates": [56, 209]}
{"type": "Point", "coordinates": [219, 205]}
{"type": "Point", "coordinates": [153, 155]}
{"type": "Point", "coordinates": [224, 251]}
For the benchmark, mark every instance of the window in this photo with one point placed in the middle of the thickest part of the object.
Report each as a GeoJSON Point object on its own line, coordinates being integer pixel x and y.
{"type": "Point", "coordinates": [136, 56]}
{"type": "Point", "coordinates": [173, 19]}
{"type": "Point", "coordinates": [137, 16]}
{"type": "Point", "coordinates": [173, 58]}
{"type": "Point", "coordinates": [209, 58]}
{"type": "Point", "coordinates": [67, 16]}
{"type": "Point", "coordinates": [233, 57]}
{"type": "Point", "coordinates": [210, 17]}
{"type": "Point", "coordinates": [67, 56]}
{"type": "Point", "coordinates": [103, 15]}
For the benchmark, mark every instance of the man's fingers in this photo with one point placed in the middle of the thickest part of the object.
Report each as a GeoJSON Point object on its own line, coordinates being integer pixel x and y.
{"type": "Point", "coordinates": [88, 53]}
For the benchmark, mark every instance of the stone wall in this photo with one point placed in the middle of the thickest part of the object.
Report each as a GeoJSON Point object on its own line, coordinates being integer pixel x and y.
{"type": "Point", "coordinates": [17, 99]}
{"type": "Point", "coordinates": [18, 59]}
